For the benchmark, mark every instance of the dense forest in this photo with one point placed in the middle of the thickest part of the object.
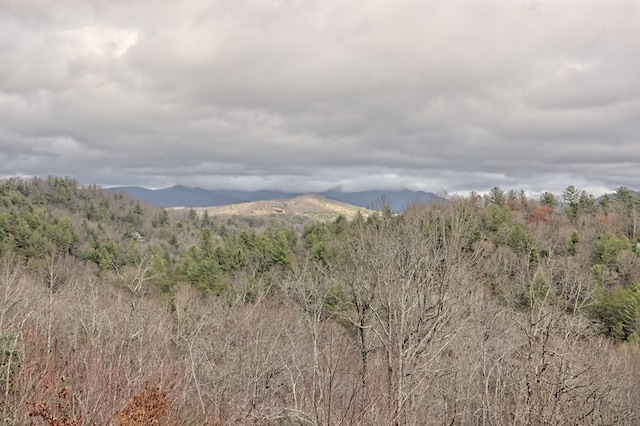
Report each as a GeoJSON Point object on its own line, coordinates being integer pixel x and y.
{"type": "Point", "coordinates": [481, 309]}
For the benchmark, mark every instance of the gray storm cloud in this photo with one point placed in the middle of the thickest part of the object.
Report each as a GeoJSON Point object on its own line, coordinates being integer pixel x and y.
{"type": "Point", "coordinates": [458, 95]}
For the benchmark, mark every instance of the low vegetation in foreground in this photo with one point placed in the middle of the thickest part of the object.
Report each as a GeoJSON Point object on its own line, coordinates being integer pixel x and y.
{"type": "Point", "coordinates": [496, 309]}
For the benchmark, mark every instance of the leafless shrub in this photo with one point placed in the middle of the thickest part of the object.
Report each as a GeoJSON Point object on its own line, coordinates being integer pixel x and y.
{"type": "Point", "coordinates": [59, 413]}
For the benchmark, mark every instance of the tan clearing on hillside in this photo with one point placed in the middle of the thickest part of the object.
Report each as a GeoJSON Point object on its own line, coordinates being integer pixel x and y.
{"type": "Point", "coordinates": [309, 205]}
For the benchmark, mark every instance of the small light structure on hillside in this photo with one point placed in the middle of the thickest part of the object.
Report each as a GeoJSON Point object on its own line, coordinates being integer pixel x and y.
{"type": "Point", "coordinates": [137, 236]}
{"type": "Point", "coordinates": [278, 209]}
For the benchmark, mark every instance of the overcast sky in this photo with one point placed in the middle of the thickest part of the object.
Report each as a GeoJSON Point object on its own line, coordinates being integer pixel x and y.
{"type": "Point", "coordinates": [305, 95]}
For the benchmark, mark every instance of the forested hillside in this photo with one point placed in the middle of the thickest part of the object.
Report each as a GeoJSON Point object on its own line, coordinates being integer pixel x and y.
{"type": "Point", "coordinates": [496, 309]}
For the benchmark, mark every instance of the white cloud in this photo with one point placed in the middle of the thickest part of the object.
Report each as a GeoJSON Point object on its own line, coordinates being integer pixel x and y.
{"type": "Point", "coordinates": [455, 95]}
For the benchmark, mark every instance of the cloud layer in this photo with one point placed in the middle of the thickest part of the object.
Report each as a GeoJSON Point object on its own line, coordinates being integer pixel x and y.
{"type": "Point", "coordinates": [305, 95]}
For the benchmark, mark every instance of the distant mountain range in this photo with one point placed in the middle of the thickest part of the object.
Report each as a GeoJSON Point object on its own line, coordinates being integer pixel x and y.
{"type": "Point", "coordinates": [183, 196]}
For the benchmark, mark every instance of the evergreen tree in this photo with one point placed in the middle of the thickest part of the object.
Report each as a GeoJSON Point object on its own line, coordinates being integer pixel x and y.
{"type": "Point", "coordinates": [547, 199]}
{"type": "Point", "coordinates": [571, 197]}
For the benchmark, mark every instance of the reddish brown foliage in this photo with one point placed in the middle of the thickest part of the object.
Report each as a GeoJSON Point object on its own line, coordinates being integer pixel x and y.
{"type": "Point", "coordinates": [148, 408]}
{"type": "Point", "coordinates": [542, 214]}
